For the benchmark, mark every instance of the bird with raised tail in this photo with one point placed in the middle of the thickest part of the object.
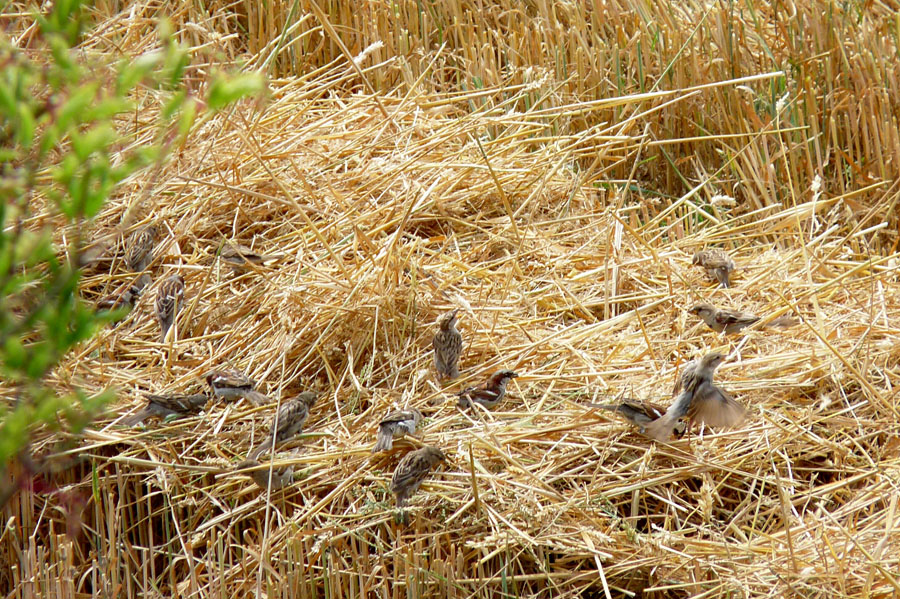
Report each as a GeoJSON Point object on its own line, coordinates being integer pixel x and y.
{"type": "Point", "coordinates": [395, 425]}
{"type": "Point", "coordinates": [639, 413]}
{"type": "Point", "coordinates": [699, 400]}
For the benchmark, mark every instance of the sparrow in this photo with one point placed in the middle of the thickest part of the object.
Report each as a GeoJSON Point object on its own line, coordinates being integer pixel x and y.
{"type": "Point", "coordinates": [169, 299]}
{"type": "Point", "coordinates": [167, 405]}
{"type": "Point", "coordinates": [287, 423]}
{"type": "Point", "coordinates": [447, 345]}
{"type": "Point", "coordinates": [397, 424]}
{"type": "Point", "coordinates": [234, 384]}
{"type": "Point", "coordinates": [412, 470]}
{"type": "Point", "coordinates": [732, 321]}
{"type": "Point", "coordinates": [717, 263]}
{"type": "Point", "coordinates": [488, 395]}
{"type": "Point", "coordinates": [139, 247]}
{"type": "Point", "coordinates": [125, 299]}
{"type": "Point", "coordinates": [260, 474]}
{"type": "Point", "coordinates": [239, 256]}
{"type": "Point", "coordinates": [640, 413]}
{"type": "Point", "coordinates": [699, 400]}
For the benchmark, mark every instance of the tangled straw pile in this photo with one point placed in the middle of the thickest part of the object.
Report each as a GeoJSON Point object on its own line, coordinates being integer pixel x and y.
{"type": "Point", "coordinates": [387, 210]}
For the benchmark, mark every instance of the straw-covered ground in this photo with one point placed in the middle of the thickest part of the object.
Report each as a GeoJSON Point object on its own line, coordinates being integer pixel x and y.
{"type": "Point", "coordinates": [559, 210]}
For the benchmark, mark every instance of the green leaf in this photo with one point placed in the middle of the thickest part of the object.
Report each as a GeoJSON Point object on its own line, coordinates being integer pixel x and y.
{"type": "Point", "coordinates": [173, 105]}
{"type": "Point", "coordinates": [47, 407]}
{"type": "Point", "coordinates": [225, 90]}
{"type": "Point", "coordinates": [49, 139]}
{"type": "Point", "coordinates": [14, 353]}
{"type": "Point", "coordinates": [7, 101]}
{"type": "Point", "coordinates": [176, 63]}
{"type": "Point", "coordinates": [77, 105]}
{"type": "Point", "coordinates": [42, 359]}
{"type": "Point", "coordinates": [132, 72]}
{"type": "Point", "coordinates": [13, 431]}
{"type": "Point", "coordinates": [108, 108]}
{"type": "Point", "coordinates": [94, 140]}
{"type": "Point", "coordinates": [187, 118]}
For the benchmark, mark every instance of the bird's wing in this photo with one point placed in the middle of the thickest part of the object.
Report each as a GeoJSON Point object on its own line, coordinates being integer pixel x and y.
{"type": "Point", "coordinates": [396, 417]}
{"type": "Point", "coordinates": [715, 407]}
{"type": "Point", "coordinates": [728, 317]}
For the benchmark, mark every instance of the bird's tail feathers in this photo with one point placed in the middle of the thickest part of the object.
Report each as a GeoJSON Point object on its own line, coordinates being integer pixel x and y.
{"type": "Point", "coordinates": [722, 276]}
{"type": "Point", "coordinates": [257, 398]}
{"type": "Point", "coordinates": [137, 418]}
{"type": "Point", "coordinates": [662, 428]}
{"type": "Point", "coordinates": [384, 443]}
{"type": "Point", "coordinates": [785, 321]}
{"type": "Point", "coordinates": [254, 455]}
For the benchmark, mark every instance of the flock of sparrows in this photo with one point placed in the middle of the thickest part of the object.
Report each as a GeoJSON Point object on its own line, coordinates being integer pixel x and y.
{"type": "Point", "coordinates": [698, 398]}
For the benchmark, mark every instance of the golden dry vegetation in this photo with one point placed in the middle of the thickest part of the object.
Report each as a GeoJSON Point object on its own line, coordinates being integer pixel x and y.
{"type": "Point", "coordinates": [549, 168]}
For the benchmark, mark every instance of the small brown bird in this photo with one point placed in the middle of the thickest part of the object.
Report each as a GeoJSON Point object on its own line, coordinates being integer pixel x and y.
{"type": "Point", "coordinates": [717, 263]}
{"type": "Point", "coordinates": [700, 400]}
{"type": "Point", "coordinates": [234, 384]}
{"type": "Point", "coordinates": [395, 425]}
{"type": "Point", "coordinates": [412, 470]}
{"type": "Point", "coordinates": [447, 345]}
{"type": "Point", "coordinates": [124, 299]}
{"type": "Point", "coordinates": [139, 247]}
{"type": "Point", "coordinates": [240, 256]}
{"type": "Point", "coordinates": [169, 299]}
{"type": "Point", "coordinates": [488, 395]}
{"type": "Point", "coordinates": [287, 423]}
{"type": "Point", "coordinates": [639, 413]}
{"type": "Point", "coordinates": [260, 474]}
{"type": "Point", "coordinates": [164, 406]}
{"type": "Point", "coordinates": [732, 321]}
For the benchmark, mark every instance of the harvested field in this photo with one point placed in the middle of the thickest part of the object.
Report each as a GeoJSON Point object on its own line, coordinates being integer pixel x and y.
{"type": "Point", "coordinates": [550, 170]}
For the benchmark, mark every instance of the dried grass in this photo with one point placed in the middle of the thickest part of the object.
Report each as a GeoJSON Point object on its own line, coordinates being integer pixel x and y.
{"type": "Point", "coordinates": [544, 221]}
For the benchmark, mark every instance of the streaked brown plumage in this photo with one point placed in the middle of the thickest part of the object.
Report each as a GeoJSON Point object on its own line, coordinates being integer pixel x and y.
{"type": "Point", "coordinates": [488, 395]}
{"type": "Point", "coordinates": [260, 474]}
{"type": "Point", "coordinates": [234, 384]}
{"type": "Point", "coordinates": [412, 471]}
{"type": "Point", "coordinates": [169, 301]}
{"type": "Point", "coordinates": [732, 321]}
{"type": "Point", "coordinates": [397, 424]}
{"type": "Point", "coordinates": [168, 405]}
{"type": "Point", "coordinates": [699, 400]}
{"type": "Point", "coordinates": [139, 247]}
{"type": "Point", "coordinates": [447, 344]}
{"type": "Point", "coordinates": [687, 373]}
{"type": "Point", "coordinates": [287, 423]}
{"type": "Point", "coordinates": [717, 263]}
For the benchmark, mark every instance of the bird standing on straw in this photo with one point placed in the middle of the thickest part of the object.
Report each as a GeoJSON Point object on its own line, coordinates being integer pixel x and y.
{"type": "Point", "coordinates": [717, 263]}
{"type": "Point", "coordinates": [447, 345]}
{"type": "Point", "coordinates": [287, 423]}
{"type": "Point", "coordinates": [169, 299]}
